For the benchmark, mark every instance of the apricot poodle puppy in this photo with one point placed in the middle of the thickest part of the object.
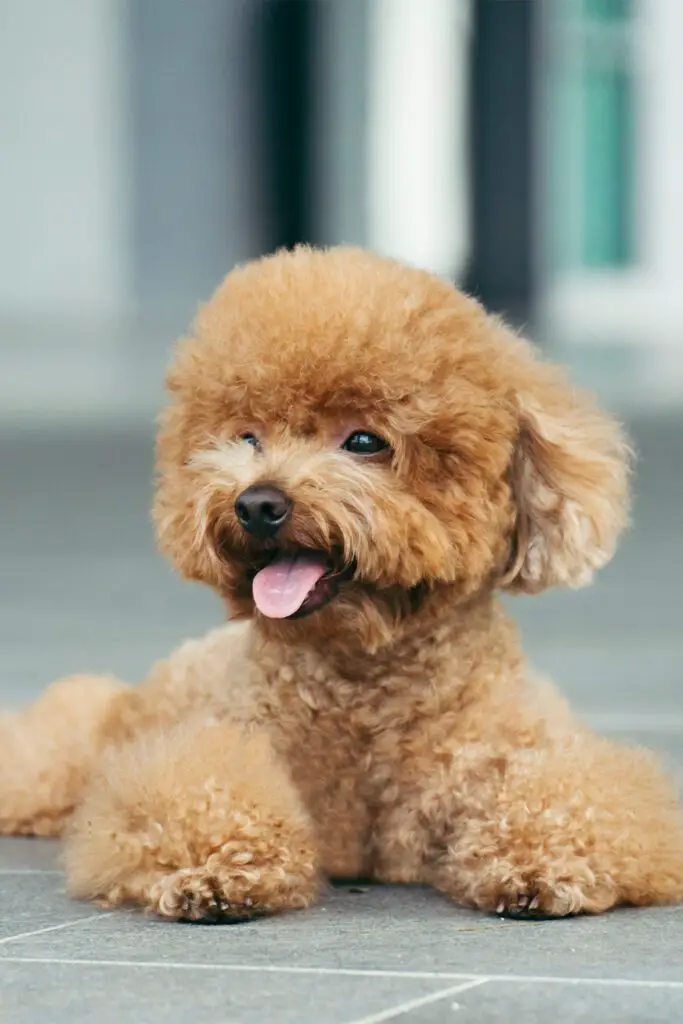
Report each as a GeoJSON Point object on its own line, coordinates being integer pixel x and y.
{"type": "Point", "coordinates": [357, 459]}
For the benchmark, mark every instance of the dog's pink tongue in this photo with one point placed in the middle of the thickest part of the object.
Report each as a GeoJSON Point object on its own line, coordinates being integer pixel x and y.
{"type": "Point", "coordinates": [282, 587]}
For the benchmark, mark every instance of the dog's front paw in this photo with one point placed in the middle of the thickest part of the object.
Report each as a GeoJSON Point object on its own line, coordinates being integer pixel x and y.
{"type": "Point", "coordinates": [538, 900]}
{"type": "Point", "coordinates": [199, 894]}
{"type": "Point", "coordinates": [543, 893]}
{"type": "Point", "coordinates": [233, 888]}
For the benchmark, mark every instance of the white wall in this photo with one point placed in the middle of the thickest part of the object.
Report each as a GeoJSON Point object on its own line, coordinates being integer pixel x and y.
{"type": "Point", "coordinates": [63, 192]}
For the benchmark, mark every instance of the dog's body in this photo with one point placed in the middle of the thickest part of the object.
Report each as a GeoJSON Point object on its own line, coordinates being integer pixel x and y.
{"type": "Point", "coordinates": [356, 458]}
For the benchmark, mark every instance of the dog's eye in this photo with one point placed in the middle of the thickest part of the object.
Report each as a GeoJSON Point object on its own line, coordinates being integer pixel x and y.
{"type": "Point", "coordinates": [362, 442]}
{"type": "Point", "coordinates": [251, 439]}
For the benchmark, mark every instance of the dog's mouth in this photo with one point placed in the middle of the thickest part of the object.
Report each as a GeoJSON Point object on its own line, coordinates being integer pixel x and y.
{"type": "Point", "coordinates": [295, 583]}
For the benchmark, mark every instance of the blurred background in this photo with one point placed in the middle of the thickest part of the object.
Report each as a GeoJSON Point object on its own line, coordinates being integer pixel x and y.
{"type": "Point", "coordinates": [531, 150]}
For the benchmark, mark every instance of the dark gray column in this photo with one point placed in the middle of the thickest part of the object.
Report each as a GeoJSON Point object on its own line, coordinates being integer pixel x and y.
{"type": "Point", "coordinates": [501, 270]}
{"type": "Point", "coordinates": [196, 190]}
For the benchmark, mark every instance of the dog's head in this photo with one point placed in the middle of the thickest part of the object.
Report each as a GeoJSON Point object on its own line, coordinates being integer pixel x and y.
{"type": "Point", "coordinates": [346, 434]}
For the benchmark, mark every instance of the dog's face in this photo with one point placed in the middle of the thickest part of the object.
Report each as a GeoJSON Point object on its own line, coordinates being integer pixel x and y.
{"type": "Point", "coordinates": [346, 434]}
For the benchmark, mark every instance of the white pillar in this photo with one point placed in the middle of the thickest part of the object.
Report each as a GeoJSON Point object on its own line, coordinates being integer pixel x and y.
{"type": "Point", "coordinates": [417, 147]}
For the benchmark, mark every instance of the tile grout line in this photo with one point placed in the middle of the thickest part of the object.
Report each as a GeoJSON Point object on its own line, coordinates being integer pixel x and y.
{"type": "Point", "coordinates": [330, 971]}
{"type": "Point", "coordinates": [52, 928]}
{"type": "Point", "coordinates": [393, 1012]}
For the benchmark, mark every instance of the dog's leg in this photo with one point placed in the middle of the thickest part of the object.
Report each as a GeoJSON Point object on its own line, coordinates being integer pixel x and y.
{"type": "Point", "coordinates": [47, 752]}
{"type": "Point", "coordinates": [198, 822]}
{"type": "Point", "coordinates": [577, 827]}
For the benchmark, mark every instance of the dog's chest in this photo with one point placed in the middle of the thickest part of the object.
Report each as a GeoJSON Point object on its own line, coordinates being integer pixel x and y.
{"type": "Point", "coordinates": [320, 729]}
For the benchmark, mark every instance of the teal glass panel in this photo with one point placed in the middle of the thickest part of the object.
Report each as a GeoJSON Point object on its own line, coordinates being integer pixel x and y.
{"type": "Point", "coordinates": [607, 215]}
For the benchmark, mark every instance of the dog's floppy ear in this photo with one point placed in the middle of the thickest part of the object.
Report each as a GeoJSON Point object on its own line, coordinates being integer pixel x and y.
{"type": "Point", "coordinates": [569, 479]}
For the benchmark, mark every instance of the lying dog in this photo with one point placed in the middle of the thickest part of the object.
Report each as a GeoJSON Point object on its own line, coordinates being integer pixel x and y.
{"type": "Point", "coordinates": [356, 458]}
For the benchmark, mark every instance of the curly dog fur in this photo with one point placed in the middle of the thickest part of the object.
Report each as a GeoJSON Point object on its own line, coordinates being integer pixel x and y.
{"type": "Point", "coordinates": [395, 731]}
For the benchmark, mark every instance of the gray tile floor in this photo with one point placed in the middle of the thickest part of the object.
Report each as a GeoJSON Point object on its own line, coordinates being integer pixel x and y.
{"type": "Point", "coordinates": [81, 588]}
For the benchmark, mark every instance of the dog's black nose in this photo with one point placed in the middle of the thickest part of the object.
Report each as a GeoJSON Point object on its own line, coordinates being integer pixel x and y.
{"type": "Point", "coordinates": [262, 510]}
